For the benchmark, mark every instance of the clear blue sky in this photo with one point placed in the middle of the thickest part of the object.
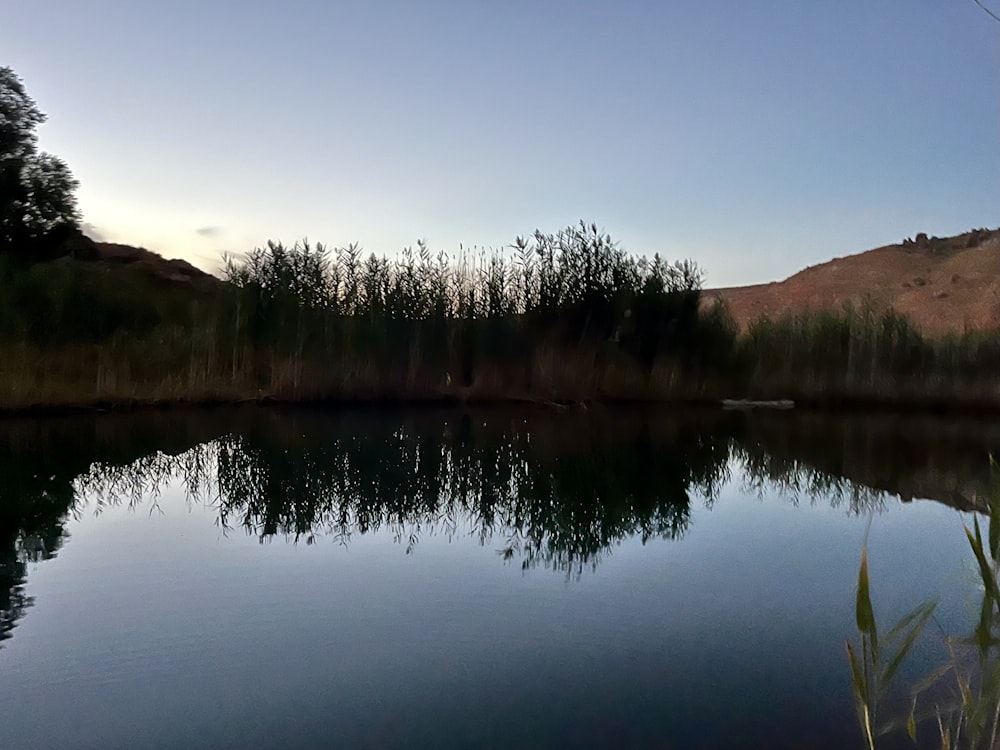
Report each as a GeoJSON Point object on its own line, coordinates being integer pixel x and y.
{"type": "Point", "coordinates": [755, 137]}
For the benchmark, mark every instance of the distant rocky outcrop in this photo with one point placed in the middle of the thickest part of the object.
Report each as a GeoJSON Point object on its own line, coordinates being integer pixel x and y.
{"type": "Point", "coordinates": [943, 284]}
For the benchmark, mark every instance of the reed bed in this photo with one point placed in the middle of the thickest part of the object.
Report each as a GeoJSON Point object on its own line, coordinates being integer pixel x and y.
{"type": "Point", "coordinates": [564, 317]}
{"type": "Point", "coordinates": [866, 355]}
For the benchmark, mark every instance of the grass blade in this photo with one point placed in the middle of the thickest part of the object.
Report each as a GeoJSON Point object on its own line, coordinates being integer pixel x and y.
{"type": "Point", "coordinates": [863, 607]}
{"type": "Point", "coordinates": [858, 680]}
{"type": "Point", "coordinates": [916, 621]}
{"type": "Point", "coordinates": [985, 569]}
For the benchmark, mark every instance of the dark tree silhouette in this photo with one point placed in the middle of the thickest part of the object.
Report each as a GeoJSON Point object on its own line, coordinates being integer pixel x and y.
{"type": "Point", "coordinates": [37, 201]}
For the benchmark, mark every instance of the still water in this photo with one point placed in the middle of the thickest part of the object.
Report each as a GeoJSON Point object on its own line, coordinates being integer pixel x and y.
{"type": "Point", "coordinates": [517, 579]}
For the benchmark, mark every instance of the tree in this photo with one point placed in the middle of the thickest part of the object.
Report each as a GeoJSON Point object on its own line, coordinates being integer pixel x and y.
{"type": "Point", "coordinates": [37, 200]}
{"type": "Point", "coordinates": [50, 201]}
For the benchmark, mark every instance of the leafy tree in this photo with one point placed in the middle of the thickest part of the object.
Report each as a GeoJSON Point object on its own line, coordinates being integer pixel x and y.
{"type": "Point", "coordinates": [36, 189]}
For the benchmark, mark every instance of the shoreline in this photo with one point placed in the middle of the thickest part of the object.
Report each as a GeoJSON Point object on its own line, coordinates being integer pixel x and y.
{"type": "Point", "coordinates": [831, 404]}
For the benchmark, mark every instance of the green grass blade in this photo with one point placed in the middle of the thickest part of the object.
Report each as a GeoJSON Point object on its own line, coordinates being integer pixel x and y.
{"type": "Point", "coordinates": [985, 570]}
{"type": "Point", "coordinates": [858, 680]}
{"type": "Point", "coordinates": [983, 634]}
{"type": "Point", "coordinates": [916, 620]}
{"type": "Point", "coordinates": [906, 620]}
{"type": "Point", "coordinates": [863, 611]}
{"type": "Point", "coordinates": [932, 679]}
{"type": "Point", "coordinates": [994, 526]}
{"type": "Point", "coordinates": [993, 503]}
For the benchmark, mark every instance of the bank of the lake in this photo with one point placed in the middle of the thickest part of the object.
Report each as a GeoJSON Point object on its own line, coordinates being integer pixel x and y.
{"type": "Point", "coordinates": [568, 317]}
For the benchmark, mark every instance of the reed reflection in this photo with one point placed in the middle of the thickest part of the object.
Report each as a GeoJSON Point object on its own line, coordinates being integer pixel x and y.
{"type": "Point", "coordinates": [558, 489]}
{"type": "Point", "coordinates": [558, 492]}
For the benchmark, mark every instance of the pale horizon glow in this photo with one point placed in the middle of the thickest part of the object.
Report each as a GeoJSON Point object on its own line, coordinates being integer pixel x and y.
{"type": "Point", "coordinates": [755, 139]}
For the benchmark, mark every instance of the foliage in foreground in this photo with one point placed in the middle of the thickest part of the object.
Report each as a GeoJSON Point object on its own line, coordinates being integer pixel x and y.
{"type": "Point", "coordinates": [962, 697]}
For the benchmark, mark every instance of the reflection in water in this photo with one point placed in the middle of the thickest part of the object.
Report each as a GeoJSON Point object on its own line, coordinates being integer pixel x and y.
{"type": "Point", "coordinates": [558, 489]}
{"type": "Point", "coordinates": [35, 497]}
{"type": "Point", "coordinates": [40, 461]}
{"type": "Point", "coordinates": [909, 456]}
{"type": "Point", "coordinates": [554, 491]}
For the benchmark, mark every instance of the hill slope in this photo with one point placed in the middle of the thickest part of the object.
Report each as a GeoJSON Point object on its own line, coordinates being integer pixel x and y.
{"type": "Point", "coordinates": [156, 268]}
{"type": "Point", "coordinates": [942, 284]}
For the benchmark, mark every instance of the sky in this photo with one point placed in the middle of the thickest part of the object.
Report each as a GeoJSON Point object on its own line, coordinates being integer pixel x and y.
{"type": "Point", "coordinates": [755, 138]}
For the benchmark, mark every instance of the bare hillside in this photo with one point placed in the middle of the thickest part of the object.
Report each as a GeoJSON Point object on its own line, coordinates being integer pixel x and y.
{"type": "Point", "coordinates": [126, 261]}
{"type": "Point", "coordinates": [174, 272]}
{"type": "Point", "coordinates": [941, 284]}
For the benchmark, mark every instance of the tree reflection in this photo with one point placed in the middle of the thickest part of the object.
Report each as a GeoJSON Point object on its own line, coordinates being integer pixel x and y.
{"type": "Point", "coordinates": [555, 488]}
{"type": "Point", "coordinates": [553, 491]}
{"type": "Point", "coordinates": [862, 460]}
{"type": "Point", "coordinates": [34, 499]}
{"type": "Point", "coordinates": [40, 463]}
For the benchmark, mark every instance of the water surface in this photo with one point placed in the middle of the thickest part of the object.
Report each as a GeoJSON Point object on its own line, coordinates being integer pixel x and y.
{"type": "Point", "coordinates": [258, 578]}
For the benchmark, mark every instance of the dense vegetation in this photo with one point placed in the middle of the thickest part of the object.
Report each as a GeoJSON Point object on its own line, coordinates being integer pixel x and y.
{"type": "Point", "coordinates": [565, 316]}
{"type": "Point", "coordinates": [868, 355]}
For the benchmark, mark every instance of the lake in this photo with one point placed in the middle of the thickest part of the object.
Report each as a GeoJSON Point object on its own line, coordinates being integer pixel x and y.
{"type": "Point", "coordinates": [517, 578]}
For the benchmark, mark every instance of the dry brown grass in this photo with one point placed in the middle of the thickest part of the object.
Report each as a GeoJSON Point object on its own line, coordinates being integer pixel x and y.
{"type": "Point", "coordinates": [943, 286]}
{"type": "Point", "coordinates": [136, 374]}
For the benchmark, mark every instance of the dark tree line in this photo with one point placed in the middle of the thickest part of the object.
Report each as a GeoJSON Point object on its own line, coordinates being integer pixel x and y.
{"type": "Point", "coordinates": [563, 316]}
{"type": "Point", "coordinates": [37, 190]}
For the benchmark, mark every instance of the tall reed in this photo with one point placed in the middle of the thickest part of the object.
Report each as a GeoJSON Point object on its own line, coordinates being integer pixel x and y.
{"type": "Point", "coordinates": [565, 316]}
{"type": "Point", "coordinates": [866, 354]}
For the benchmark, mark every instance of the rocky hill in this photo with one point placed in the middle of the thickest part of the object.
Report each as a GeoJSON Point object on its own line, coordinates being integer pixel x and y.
{"type": "Point", "coordinates": [943, 285]}
{"type": "Point", "coordinates": [173, 272]}
{"type": "Point", "coordinates": [132, 262]}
